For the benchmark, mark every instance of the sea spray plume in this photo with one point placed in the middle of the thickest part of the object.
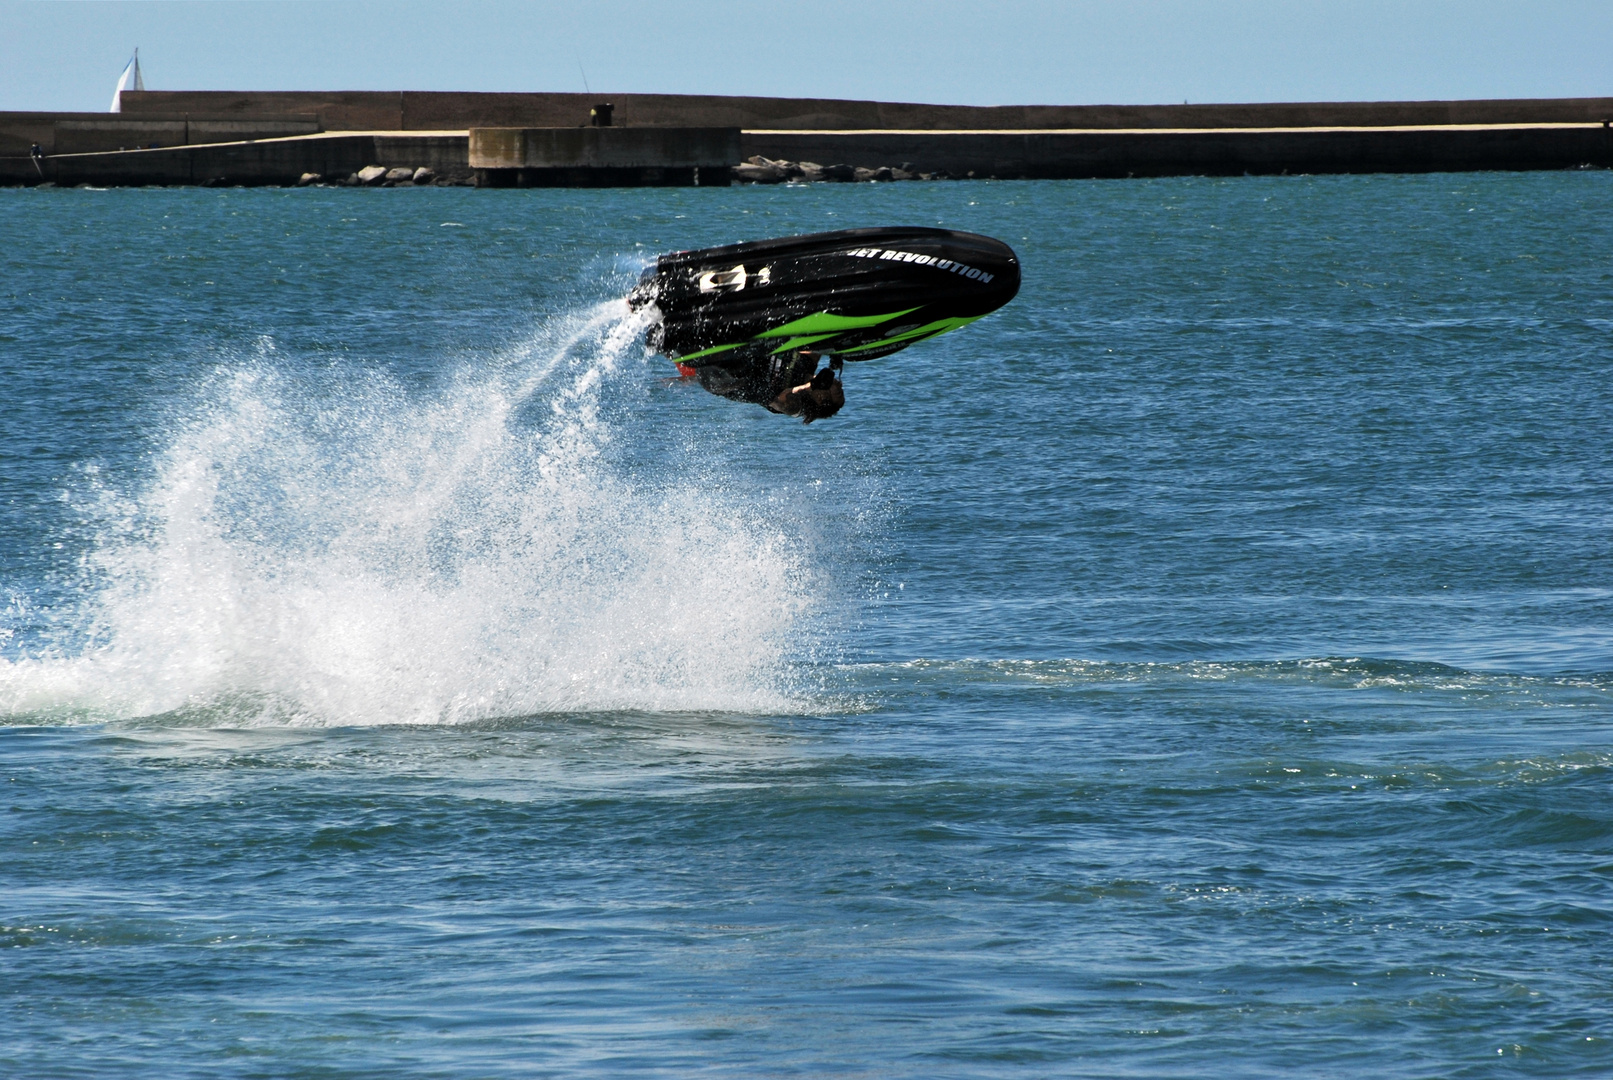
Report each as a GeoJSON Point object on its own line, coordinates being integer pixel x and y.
{"type": "Point", "coordinates": [336, 552]}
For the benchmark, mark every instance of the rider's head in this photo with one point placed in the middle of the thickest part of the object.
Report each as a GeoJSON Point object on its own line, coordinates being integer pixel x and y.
{"type": "Point", "coordinates": [823, 397]}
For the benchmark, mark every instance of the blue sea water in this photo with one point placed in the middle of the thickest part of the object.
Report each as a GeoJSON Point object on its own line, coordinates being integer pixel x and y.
{"type": "Point", "coordinates": [1201, 667]}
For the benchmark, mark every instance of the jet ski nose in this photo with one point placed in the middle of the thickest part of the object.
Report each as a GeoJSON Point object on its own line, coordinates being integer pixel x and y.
{"type": "Point", "coordinates": [646, 291]}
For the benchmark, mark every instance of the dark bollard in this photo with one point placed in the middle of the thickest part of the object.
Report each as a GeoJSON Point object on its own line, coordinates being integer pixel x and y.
{"type": "Point", "coordinates": [599, 115]}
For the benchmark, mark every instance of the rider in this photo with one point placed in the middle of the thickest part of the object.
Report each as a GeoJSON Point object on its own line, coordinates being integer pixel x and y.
{"type": "Point", "coordinates": [792, 385]}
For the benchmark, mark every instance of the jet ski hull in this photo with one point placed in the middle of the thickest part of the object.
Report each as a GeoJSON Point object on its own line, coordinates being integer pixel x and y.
{"type": "Point", "coordinates": [857, 294]}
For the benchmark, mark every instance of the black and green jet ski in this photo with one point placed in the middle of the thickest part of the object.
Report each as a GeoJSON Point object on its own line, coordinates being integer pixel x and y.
{"type": "Point", "coordinates": [736, 316]}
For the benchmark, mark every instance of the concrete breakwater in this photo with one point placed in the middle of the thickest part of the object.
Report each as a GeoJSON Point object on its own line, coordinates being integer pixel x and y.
{"type": "Point", "coordinates": [278, 138]}
{"type": "Point", "coordinates": [774, 157]}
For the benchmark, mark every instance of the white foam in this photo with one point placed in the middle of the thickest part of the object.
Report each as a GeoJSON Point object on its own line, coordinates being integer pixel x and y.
{"type": "Point", "coordinates": [337, 552]}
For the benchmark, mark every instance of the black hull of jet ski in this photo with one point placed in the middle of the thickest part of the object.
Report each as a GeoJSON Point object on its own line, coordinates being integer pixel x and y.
{"type": "Point", "coordinates": [857, 294]}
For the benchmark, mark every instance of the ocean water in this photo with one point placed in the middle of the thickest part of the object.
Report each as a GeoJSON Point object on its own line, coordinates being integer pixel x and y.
{"type": "Point", "coordinates": [1201, 667]}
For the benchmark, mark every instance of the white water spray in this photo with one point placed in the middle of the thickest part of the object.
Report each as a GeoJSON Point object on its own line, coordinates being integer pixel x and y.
{"type": "Point", "coordinates": [356, 557]}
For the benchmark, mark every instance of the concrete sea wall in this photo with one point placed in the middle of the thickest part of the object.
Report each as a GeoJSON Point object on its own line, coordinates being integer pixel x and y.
{"type": "Point", "coordinates": [196, 137]}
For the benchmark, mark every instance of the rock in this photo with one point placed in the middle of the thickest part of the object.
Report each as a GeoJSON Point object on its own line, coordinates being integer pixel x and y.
{"type": "Point", "coordinates": [812, 172]}
{"type": "Point", "coordinates": [862, 175]}
{"type": "Point", "coordinates": [884, 173]}
{"type": "Point", "coordinates": [751, 173]}
{"type": "Point", "coordinates": [839, 173]}
{"type": "Point", "coordinates": [786, 170]}
{"type": "Point", "coordinates": [401, 175]}
{"type": "Point", "coordinates": [423, 175]}
{"type": "Point", "coordinates": [789, 170]}
{"type": "Point", "coordinates": [309, 178]}
{"type": "Point", "coordinates": [352, 180]}
{"type": "Point", "coordinates": [372, 175]}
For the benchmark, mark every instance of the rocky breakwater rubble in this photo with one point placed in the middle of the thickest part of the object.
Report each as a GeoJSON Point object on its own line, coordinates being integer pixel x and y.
{"type": "Point", "coordinates": [381, 176]}
{"type": "Point", "coordinates": [761, 170]}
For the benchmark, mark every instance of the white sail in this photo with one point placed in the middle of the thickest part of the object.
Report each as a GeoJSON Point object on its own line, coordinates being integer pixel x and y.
{"type": "Point", "coordinates": [129, 80]}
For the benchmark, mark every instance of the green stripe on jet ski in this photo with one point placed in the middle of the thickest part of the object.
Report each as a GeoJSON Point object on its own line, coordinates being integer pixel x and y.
{"type": "Point", "coordinates": [826, 324]}
{"type": "Point", "coordinates": [940, 326]}
{"type": "Point", "coordinates": [812, 328]}
{"type": "Point", "coordinates": [708, 352]}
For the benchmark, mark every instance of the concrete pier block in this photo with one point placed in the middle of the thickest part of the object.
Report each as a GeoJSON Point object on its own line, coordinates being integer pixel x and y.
{"type": "Point", "coordinates": [603, 157]}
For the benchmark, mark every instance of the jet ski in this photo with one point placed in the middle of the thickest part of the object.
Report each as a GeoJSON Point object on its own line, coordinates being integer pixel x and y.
{"type": "Point", "coordinates": [855, 294]}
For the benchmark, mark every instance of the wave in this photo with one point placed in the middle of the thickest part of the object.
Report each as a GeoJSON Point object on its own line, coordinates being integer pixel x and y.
{"type": "Point", "coordinates": [1335, 672]}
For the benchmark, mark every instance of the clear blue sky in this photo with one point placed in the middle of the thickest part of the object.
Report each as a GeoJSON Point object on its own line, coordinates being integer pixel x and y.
{"type": "Point", "coordinates": [67, 54]}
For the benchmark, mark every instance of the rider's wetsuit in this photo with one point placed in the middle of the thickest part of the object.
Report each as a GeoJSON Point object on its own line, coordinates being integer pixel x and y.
{"type": "Point", "coordinates": [786, 383]}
